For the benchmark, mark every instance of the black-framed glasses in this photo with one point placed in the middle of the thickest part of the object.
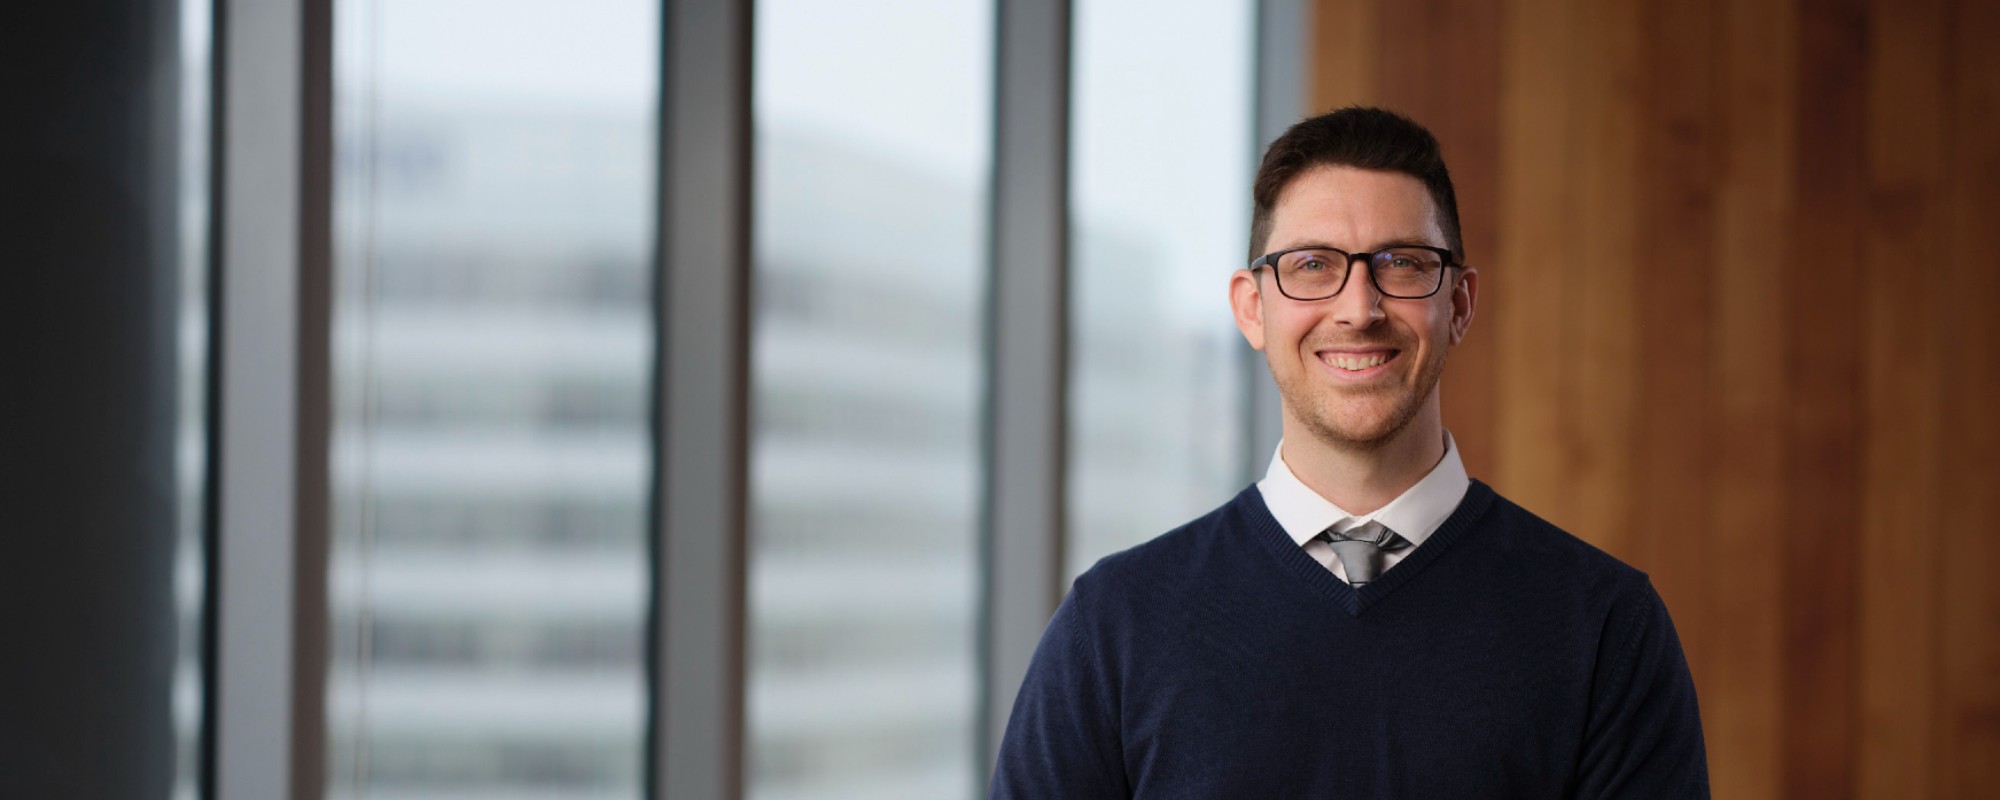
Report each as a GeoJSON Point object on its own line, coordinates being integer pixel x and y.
{"type": "Point", "coordinates": [1410, 272]}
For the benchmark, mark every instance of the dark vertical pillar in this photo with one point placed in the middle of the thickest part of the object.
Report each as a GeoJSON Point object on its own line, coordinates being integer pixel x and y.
{"type": "Point", "coordinates": [87, 386]}
{"type": "Point", "coordinates": [696, 724]}
{"type": "Point", "coordinates": [1027, 340]}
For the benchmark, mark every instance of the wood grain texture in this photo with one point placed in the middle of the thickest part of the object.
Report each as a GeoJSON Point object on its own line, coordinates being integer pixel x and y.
{"type": "Point", "coordinates": [1347, 73]}
{"type": "Point", "coordinates": [1823, 366]}
{"type": "Point", "coordinates": [1746, 404]}
{"type": "Point", "coordinates": [1535, 208]}
{"type": "Point", "coordinates": [1737, 263]}
{"type": "Point", "coordinates": [1969, 734]}
{"type": "Point", "coordinates": [1600, 368]}
{"type": "Point", "coordinates": [1676, 175]}
{"type": "Point", "coordinates": [1903, 368]}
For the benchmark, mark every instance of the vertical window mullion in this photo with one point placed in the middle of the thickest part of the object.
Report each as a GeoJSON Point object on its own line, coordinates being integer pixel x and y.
{"type": "Point", "coordinates": [1028, 342]}
{"type": "Point", "coordinates": [312, 503]}
{"type": "Point", "coordinates": [703, 307]}
{"type": "Point", "coordinates": [264, 256]}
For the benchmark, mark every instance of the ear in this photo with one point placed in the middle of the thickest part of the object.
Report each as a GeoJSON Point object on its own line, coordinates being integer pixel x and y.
{"type": "Point", "coordinates": [1246, 300]}
{"type": "Point", "coordinates": [1464, 298]}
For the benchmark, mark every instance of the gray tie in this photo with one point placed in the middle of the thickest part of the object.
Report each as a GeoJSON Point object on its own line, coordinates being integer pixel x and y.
{"type": "Point", "coordinates": [1360, 550]}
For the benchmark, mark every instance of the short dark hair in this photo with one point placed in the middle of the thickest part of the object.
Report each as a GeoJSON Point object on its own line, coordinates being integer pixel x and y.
{"type": "Point", "coordinates": [1360, 137]}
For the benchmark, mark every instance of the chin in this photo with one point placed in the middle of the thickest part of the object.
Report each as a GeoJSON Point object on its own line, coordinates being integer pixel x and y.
{"type": "Point", "coordinates": [1361, 431]}
{"type": "Point", "coordinates": [1355, 418]}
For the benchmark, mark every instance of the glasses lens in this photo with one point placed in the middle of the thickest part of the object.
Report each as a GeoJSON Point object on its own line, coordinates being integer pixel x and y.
{"type": "Point", "coordinates": [1311, 274]}
{"type": "Point", "coordinates": [1408, 271]}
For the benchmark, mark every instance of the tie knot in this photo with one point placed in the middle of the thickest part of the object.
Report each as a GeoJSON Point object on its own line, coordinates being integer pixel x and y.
{"type": "Point", "coordinates": [1361, 549]}
{"type": "Point", "coordinates": [1371, 532]}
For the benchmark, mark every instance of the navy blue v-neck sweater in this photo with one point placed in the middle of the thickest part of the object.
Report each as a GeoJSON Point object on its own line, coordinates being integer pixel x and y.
{"type": "Point", "coordinates": [1504, 658]}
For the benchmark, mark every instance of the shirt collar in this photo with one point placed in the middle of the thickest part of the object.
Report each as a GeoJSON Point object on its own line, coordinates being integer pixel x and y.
{"type": "Point", "coordinates": [1415, 514]}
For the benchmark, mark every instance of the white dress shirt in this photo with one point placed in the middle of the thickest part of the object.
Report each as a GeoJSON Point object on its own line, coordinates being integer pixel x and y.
{"type": "Point", "coordinates": [1414, 515]}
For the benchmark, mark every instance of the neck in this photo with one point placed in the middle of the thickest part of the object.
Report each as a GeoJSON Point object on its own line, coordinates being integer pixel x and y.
{"type": "Point", "coordinates": [1362, 478]}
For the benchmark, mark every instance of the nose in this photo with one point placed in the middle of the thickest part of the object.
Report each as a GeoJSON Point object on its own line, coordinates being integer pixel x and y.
{"type": "Point", "coordinates": [1359, 304]}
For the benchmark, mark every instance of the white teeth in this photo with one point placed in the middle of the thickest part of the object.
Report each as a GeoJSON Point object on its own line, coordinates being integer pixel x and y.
{"type": "Point", "coordinates": [1359, 362]}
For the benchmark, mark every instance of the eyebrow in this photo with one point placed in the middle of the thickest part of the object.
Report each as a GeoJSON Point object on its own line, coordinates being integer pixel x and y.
{"type": "Point", "coordinates": [1396, 242]}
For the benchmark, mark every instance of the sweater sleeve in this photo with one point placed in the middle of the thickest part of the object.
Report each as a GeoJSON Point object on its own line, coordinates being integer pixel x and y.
{"type": "Point", "coordinates": [1643, 739]}
{"type": "Point", "coordinates": [1062, 739]}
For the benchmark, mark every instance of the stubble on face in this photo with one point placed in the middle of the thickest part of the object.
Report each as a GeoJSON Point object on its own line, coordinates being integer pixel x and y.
{"type": "Point", "coordinates": [1354, 418]}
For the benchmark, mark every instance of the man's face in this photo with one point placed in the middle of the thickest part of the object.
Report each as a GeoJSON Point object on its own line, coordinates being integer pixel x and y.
{"type": "Point", "coordinates": [1354, 369]}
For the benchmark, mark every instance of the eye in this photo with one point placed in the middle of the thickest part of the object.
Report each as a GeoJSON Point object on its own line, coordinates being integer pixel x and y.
{"type": "Point", "coordinates": [1313, 261]}
{"type": "Point", "coordinates": [1408, 260]}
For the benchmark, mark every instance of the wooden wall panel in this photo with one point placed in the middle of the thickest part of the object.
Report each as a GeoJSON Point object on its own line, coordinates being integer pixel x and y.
{"type": "Point", "coordinates": [1677, 165]}
{"type": "Point", "coordinates": [1600, 364]}
{"type": "Point", "coordinates": [1347, 65]}
{"type": "Point", "coordinates": [1823, 275]}
{"type": "Point", "coordinates": [1969, 688]}
{"type": "Point", "coordinates": [1736, 266]}
{"type": "Point", "coordinates": [1525, 285]}
{"type": "Point", "coordinates": [1903, 366]}
{"type": "Point", "coordinates": [1746, 403]}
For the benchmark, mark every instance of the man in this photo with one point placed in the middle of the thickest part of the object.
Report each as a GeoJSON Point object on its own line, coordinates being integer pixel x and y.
{"type": "Point", "coordinates": [1366, 621]}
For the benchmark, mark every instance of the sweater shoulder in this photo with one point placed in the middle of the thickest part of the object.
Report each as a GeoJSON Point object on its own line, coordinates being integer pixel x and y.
{"type": "Point", "coordinates": [1531, 543]}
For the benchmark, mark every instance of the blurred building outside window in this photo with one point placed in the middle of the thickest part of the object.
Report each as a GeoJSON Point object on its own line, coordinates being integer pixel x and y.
{"type": "Point", "coordinates": [493, 368]}
{"type": "Point", "coordinates": [872, 159]}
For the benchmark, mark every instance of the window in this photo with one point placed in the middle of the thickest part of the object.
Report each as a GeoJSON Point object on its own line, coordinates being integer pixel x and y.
{"type": "Point", "coordinates": [873, 149]}
{"type": "Point", "coordinates": [502, 250]}
{"type": "Point", "coordinates": [493, 352]}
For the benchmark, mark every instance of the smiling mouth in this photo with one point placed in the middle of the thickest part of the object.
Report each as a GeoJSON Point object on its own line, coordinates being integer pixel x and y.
{"type": "Point", "coordinates": [1356, 362]}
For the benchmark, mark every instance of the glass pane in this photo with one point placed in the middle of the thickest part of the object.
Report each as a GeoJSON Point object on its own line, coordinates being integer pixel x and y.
{"type": "Point", "coordinates": [1160, 159]}
{"type": "Point", "coordinates": [191, 442]}
{"type": "Point", "coordinates": [493, 350]}
{"type": "Point", "coordinates": [873, 136]}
